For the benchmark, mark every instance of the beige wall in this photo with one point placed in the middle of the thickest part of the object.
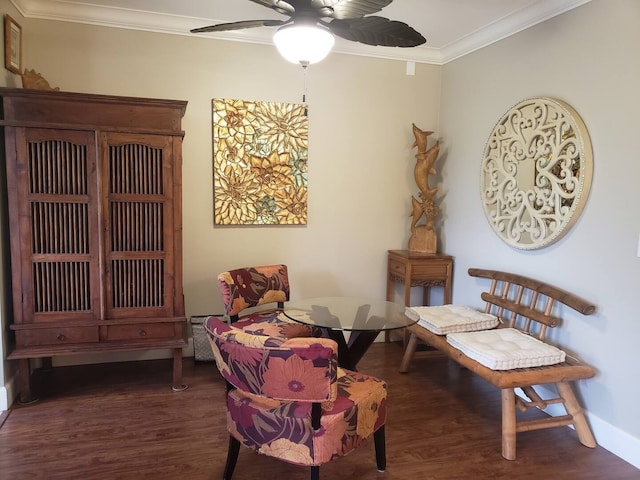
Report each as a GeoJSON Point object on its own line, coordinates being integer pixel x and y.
{"type": "Point", "coordinates": [588, 58]}
{"type": "Point", "coordinates": [360, 156]}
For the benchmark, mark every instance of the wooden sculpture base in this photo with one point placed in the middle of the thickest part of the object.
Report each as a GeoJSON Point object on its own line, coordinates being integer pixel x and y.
{"type": "Point", "coordinates": [423, 240]}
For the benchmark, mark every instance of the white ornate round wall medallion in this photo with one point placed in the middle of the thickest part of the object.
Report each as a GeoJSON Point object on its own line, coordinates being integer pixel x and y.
{"type": "Point", "coordinates": [536, 172]}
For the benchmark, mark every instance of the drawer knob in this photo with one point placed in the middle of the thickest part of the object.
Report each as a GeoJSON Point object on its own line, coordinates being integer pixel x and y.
{"type": "Point", "coordinates": [61, 337]}
{"type": "Point", "coordinates": [143, 333]}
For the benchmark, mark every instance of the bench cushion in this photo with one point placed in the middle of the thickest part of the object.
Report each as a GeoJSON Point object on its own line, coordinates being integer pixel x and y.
{"type": "Point", "coordinates": [505, 349]}
{"type": "Point", "coordinates": [446, 319]}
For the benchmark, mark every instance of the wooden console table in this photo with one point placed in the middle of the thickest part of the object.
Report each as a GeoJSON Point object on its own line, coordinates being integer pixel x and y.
{"type": "Point", "coordinates": [416, 269]}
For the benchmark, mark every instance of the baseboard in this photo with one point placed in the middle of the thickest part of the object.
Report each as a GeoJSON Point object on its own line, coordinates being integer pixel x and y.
{"type": "Point", "coordinates": [618, 442]}
{"type": "Point", "coordinates": [607, 436]}
{"type": "Point", "coordinates": [7, 394]}
{"type": "Point", "coordinates": [4, 399]}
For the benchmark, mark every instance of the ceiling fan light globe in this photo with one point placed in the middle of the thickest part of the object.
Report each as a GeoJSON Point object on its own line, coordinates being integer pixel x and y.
{"type": "Point", "coordinates": [303, 44]}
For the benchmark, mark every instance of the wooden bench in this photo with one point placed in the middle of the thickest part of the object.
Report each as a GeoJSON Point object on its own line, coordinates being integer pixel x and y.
{"type": "Point", "coordinates": [527, 305]}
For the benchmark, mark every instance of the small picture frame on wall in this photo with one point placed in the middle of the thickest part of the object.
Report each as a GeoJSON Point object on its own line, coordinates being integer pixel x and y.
{"type": "Point", "coordinates": [12, 45]}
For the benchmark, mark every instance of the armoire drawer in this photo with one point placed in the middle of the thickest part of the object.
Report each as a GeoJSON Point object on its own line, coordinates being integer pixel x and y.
{"type": "Point", "coordinates": [141, 331]}
{"type": "Point", "coordinates": [56, 336]}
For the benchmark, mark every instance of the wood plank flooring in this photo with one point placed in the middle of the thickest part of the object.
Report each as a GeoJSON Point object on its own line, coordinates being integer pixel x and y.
{"type": "Point", "coordinates": [122, 421]}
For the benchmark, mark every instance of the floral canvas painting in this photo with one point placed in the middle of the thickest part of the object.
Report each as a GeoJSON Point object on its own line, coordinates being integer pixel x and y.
{"type": "Point", "coordinates": [259, 163]}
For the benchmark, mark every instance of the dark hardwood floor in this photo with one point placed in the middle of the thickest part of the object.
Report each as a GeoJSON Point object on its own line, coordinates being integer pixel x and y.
{"type": "Point", "coordinates": [122, 421]}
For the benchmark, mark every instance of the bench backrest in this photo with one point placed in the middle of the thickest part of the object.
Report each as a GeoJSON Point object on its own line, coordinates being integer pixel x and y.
{"type": "Point", "coordinates": [525, 303]}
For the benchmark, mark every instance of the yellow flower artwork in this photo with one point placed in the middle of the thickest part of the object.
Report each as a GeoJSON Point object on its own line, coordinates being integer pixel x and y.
{"type": "Point", "coordinates": [259, 163]}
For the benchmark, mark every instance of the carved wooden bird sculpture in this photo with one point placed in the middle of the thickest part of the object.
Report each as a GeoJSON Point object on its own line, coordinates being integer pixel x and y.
{"type": "Point", "coordinates": [416, 213]}
{"type": "Point", "coordinates": [424, 160]}
{"type": "Point", "coordinates": [424, 168]}
{"type": "Point", "coordinates": [421, 138]}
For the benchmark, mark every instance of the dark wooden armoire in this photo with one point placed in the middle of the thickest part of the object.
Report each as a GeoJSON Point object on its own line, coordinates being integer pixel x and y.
{"type": "Point", "coordinates": [95, 225]}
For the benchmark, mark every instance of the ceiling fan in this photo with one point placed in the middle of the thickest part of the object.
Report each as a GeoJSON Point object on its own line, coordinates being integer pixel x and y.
{"type": "Point", "coordinates": [320, 20]}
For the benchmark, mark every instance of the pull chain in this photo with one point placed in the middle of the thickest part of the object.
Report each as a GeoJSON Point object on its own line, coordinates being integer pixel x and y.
{"type": "Point", "coordinates": [304, 87]}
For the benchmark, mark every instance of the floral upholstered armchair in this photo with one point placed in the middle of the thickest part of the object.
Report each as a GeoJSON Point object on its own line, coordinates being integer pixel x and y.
{"type": "Point", "coordinates": [287, 398]}
{"type": "Point", "coordinates": [249, 287]}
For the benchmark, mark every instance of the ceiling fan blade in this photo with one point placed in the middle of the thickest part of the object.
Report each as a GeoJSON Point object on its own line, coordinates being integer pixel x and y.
{"type": "Point", "coordinates": [223, 27]}
{"type": "Point", "coordinates": [326, 8]}
{"type": "Point", "coordinates": [343, 9]}
{"type": "Point", "coordinates": [280, 6]}
{"type": "Point", "coordinates": [377, 31]}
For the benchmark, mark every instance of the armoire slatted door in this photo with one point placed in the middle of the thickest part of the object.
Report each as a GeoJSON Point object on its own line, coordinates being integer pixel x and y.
{"type": "Point", "coordinates": [94, 197]}
{"type": "Point", "coordinates": [138, 204]}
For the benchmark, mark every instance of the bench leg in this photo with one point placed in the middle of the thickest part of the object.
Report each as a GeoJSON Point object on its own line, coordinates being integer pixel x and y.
{"type": "Point", "coordinates": [573, 408]}
{"type": "Point", "coordinates": [508, 423]}
{"type": "Point", "coordinates": [408, 353]}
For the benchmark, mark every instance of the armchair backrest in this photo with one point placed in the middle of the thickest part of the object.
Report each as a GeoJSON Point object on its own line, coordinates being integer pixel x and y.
{"type": "Point", "coordinates": [253, 286]}
{"type": "Point", "coordinates": [296, 369]}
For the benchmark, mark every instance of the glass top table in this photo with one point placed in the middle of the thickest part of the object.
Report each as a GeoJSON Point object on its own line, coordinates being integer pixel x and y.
{"type": "Point", "coordinates": [363, 318]}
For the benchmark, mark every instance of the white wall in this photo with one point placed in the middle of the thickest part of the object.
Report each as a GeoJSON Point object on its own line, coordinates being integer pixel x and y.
{"type": "Point", "coordinates": [586, 57]}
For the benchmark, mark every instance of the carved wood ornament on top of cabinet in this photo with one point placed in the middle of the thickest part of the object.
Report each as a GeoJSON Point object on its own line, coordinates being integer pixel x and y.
{"type": "Point", "coordinates": [95, 224]}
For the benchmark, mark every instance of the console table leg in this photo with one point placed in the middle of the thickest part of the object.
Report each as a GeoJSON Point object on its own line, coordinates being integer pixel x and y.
{"type": "Point", "coordinates": [390, 284]}
{"type": "Point", "coordinates": [178, 386]}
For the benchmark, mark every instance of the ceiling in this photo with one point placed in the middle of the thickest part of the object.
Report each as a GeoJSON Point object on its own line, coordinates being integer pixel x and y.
{"type": "Point", "coordinates": [452, 28]}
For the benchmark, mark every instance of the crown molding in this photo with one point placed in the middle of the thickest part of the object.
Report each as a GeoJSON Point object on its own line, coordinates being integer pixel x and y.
{"type": "Point", "coordinates": [507, 26]}
{"type": "Point", "coordinates": [86, 13]}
